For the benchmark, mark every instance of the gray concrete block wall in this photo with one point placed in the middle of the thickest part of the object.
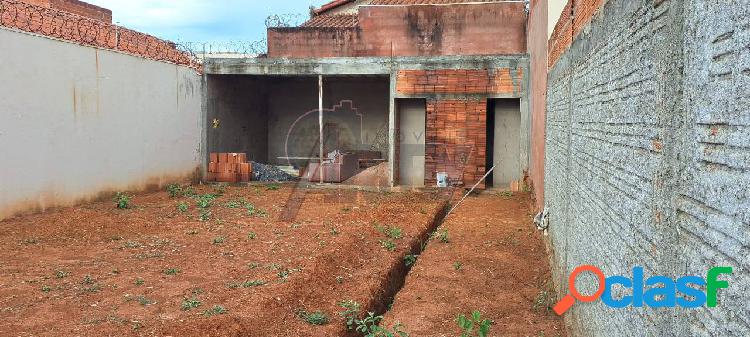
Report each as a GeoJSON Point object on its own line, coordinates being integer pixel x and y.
{"type": "Point", "coordinates": [648, 160]}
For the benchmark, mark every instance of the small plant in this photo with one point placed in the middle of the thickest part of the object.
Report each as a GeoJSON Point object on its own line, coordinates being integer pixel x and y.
{"type": "Point", "coordinates": [205, 215]}
{"type": "Point", "coordinates": [174, 190]}
{"type": "Point", "coordinates": [253, 265]}
{"type": "Point", "coordinates": [144, 301]}
{"type": "Point", "coordinates": [457, 265]}
{"type": "Point", "coordinates": [234, 204]}
{"type": "Point", "coordinates": [442, 235]}
{"type": "Point", "coordinates": [251, 236]}
{"type": "Point", "coordinates": [220, 189]}
{"type": "Point", "coordinates": [88, 280]}
{"type": "Point", "coordinates": [368, 327]}
{"type": "Point", "coordinates": [139, 281]}
{"type": "Point", "coordinates": [172, 271]}
{"type": "Point", "coordinates": [219, 240]}
{"type": "Point", "coordinates": [95, 288]}
{"type": "Point", "coordinates": [216, 310]}
{"type": "Point", "coordinates": [183, 207]}
{"type": "Point", "coordinates": [339, 279]}
{"type": "Point", "coordinates": [475, 321]}
{"type": "Point", "coordinates": [247, 284]}
{"type": "Point", "coordinates": [61, 274]}
{"type": "Point", "coordinates": [335, 231]}
{"type": "Point", "coordinates": [204, 201]}
{"type": "Point", "coordinates": [351, 313]}
{"type": "Point", "coordinates": [314, 318]}
{"type": "Point", "coordinates": [188, 191]}
{"type": "Point", "coordinates": [410, 260]}
{"type": "Point", "coordinates": [46, 289]}
{"type": "Point", "coordinates": [272, 187]}
{"type": "Point", "coordinates": [122, 200]}
{"type": "Point", "coordinates": [388, 245]}
{"type": "Point", "coordinates": [190, 303]}
{"type": "Point", "coordinates": [392, 232]}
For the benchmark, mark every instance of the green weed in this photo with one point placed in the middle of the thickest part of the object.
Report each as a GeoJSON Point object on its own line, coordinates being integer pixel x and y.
{"type": "Point", "coordinates": [251, 236]}
{"type": "Point", "coordinates": [216, 310]}
{"type": "Point", "coordinates": [61, 274]}
{"type": "Point", "coordinates": [475, 321]}
{"type": "Point", "coordinates": [272, 187]}
{"type": "Point", "coordinates": [410, 259]}
{"type": "Point", "coordinates": [388, 245]}
{"type": "Point", "coordinates": [174, 190]}
{"type": "Point", "coordinates": [122, 200]}
{"type": "Point", "coordinates": [139, 281]}
{"type": "Point", "coordinates": [183, 207]}
{"type": "Point", "coordinates": [314, 318]}
{"type": "Point", "coordinates": [369, 327]}
{"type": "Point", "coordinates": [219, 240]}
{"type": "Point", "coordinates": [190, 303]}
{"type": "Point", "coordinates": [351, 313]}
{"type": "Point", "coordinates": [172, 271]}
{"type": "Point", "coordinates": [457, 265]}
{"type": "Point", "coordinates": [247, 284]}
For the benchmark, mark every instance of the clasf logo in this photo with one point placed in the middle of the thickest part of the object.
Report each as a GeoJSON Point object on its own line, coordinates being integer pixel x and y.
{"type": "Point", "coordinates": [662, 291]}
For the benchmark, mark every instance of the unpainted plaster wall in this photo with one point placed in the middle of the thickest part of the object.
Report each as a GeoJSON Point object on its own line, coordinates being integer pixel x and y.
{"type": "Point", "coordinates": [80, 122]}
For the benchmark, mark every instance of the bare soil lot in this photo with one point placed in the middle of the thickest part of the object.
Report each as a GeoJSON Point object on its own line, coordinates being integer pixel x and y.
{"type": "Point", "coordinates": [235, 267]}
{"type": "Point", "coordinates": [486, 256]}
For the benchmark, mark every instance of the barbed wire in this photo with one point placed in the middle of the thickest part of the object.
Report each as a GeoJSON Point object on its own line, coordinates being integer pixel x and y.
{"type": "Point", "coordinates": [90, 32]}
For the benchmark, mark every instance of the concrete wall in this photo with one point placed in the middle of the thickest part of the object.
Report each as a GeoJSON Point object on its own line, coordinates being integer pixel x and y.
{"type": "Point", "coordinates": [537, 49]}
{"type": "Point", "coordinates": [459, 29]}
{"type": "Point", "coordinates": [411, 126]}
{"type": "Point", "coordinates": [79, 122]}
{"type": "Point", "coordinates": [647, 159]}
{"type": "Point", "coordinates": [239, 104]}
{"type": "Point", "coordinates": [507, 143]}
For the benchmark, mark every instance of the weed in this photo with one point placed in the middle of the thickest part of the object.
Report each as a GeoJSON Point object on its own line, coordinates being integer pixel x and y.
{"type": "Point", "coordinates": [219, 240]}
{"type": "Point", "coordinates": [475, 321]}
{"type": "Point", "coordinates": [61, 274]}
{"type": "Point", "coordinates": [335, 231]}
{"type": "Point", "coordinates": [252, 211]}
{"type": "Point", "coordinates": [144, 301]}
{"type": "Point", "coordinates": [216, 310]}
{"type": "Point", "coordinates": [192, 232]}
{"type": "Point", "coordinates": [46, 289]}
{"type": "Point", "coordinates": [116, 238]}
{"type": "Point", "coordinates": [346, 209]}
{"type": "Point", "coordinates": [284, 273]}
{"type": "Point", "coordinates": [188, 191]}
{"type": "Point", "coordinates": [410, 259]}
{"type": "Point", "coordinates": [351, 314]}
{"type": "Point", "coordinates": [190, 303]}
{"type": "Point", "coordinates": [205, 215]}
{"type": "Point", "coordinates": [30, 241]}
{"type": "Point", "coordinates": [388, 245]}
{"type": "Point", "coordinates": [253, 265]}
{"type": "Point", "coordinates": [251, 236]}
{"type": "Point", "coordinates": [172, 271]}
{"type": "Point", "coordinates": [314, 318]}
{"type": "Point", "coordinates": [442, 235]}
{"type": "Point", "coordinates": [339, 279]}
{"type": "Point", "coordinates": [139, 281]}
{"type": "Point", "coordinates": [368, 327]}
{"type": "Point", "coordinates": [506, 194]}
{"type": "Point", "coordinates": [272, 187]}
{"type": "Point", "coordinates": [183, 207]}
{"type": "Point", "coordinates": [132, 244]}
{"type": "Point", "coordinates": [235, 204]}
{"type": "Point", "coordinates": [205, 200]}
{"type": "Point", "coordinates": [174, 190]}
{"type": "Point", "coordinates": [544, 300]}
{"type": "Point", "coordinates": [122, 200]}
{"type": "Point", "coordinates": [220, 189]}
{"type": "Point", "coordinates": [392, 232]}
{"type": "Point", "coordinates": [88, 280]}
{"type": "Point", "coordinates": [457, 265]}
{"type": "Point", "coordinates": [93, 289]}
{"type": "Point", "coordinates": [247, 284]}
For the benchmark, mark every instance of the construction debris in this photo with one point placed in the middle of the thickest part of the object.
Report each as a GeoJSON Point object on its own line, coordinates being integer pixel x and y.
{"type": "Point", "coordinates": [264, 172]}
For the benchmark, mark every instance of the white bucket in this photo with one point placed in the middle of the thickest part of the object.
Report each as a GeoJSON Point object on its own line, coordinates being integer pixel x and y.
{"type": "Point", "coordinates": [442, 179]}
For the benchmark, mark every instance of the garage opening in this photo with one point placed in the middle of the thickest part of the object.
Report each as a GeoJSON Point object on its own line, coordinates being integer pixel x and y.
{"type": "Point", "coordinates": [275, 120]}
{"type": "Point", "coordinates": [504, 142]}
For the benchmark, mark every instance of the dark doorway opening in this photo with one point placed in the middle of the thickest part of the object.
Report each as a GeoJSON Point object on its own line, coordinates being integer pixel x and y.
{"type": "Point", "coordinates": [490, 146]}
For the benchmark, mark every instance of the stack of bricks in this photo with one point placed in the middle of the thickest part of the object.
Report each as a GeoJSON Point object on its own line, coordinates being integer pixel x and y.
{"type": "Point", "coordinates": [459, 81]}
{"type": "Point", "coordinates": [229, 168]}
{"type": "Point", "coordinates": [456, 140]}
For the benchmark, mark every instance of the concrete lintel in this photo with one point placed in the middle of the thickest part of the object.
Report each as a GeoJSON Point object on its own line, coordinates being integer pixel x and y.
{"type": "Point", "coordinates": [355, 65]}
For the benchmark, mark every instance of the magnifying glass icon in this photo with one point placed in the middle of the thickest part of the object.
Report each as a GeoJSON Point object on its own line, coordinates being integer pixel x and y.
{"type": "Point", "coordinates": [568, 300]}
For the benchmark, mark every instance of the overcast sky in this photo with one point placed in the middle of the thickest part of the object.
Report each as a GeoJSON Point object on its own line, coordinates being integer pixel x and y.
{"type": "Point", "coordinates": [202, 20]}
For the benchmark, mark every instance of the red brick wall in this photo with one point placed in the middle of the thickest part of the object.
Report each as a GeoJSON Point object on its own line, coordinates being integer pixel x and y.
{"type": "Point", "coordinates": [62, 25]}
{"type": "Point", "coordinates": [477, 29]}
{"type": "Point", "coordinates": [456, 140]}
{"type": "Point", "coordinates": [575, 16]}
{"type": "Point", "coordinates": [75, 7]}
{"type": "Point", "coordinates": [467, 81]}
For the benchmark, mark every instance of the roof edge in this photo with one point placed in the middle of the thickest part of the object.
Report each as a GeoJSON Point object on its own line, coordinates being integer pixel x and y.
{"type": "Point", "coordinates": [331, 5]}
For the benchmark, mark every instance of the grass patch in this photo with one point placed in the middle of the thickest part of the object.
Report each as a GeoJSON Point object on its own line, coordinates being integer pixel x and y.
{"type": "Point", "coordinates": [247, 284]}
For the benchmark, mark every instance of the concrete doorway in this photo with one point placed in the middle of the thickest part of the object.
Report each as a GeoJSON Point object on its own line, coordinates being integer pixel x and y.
{"type": "Point", "coordinates": [411, 124]}
{"type": "Point", "coordinates": [504, 138]}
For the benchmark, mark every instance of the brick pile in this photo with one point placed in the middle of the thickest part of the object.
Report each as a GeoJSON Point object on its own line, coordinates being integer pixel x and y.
{"type": "Point", "coordinates": [229, 168]}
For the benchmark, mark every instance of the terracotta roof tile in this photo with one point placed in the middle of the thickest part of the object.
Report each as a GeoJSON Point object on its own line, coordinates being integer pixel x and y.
{"type": "Point", "coordinates": [333, 21]}
{"type": "Point", "coordinates": [426, 2]}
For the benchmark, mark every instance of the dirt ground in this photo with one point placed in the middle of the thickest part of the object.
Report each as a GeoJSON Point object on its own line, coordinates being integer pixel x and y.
{"type": "Point", "coordinates": [154, 270]}
{"type": "Point", "coordinates": [494, 261]}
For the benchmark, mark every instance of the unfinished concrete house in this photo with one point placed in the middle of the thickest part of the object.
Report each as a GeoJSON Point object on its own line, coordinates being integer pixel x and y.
{"type": "Point", "coordinates": [402, 92]}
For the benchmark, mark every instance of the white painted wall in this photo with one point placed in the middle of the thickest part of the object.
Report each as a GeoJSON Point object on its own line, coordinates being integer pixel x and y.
{"type": "Point", "coordinates": [79, 122]}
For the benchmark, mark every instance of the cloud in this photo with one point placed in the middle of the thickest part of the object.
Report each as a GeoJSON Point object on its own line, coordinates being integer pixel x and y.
{"type": "Point", "coordinates": [202, 20]}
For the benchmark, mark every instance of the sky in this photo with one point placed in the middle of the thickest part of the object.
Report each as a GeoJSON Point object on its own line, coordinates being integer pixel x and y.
{"type": "Point", "coordinates": [203, 20]}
